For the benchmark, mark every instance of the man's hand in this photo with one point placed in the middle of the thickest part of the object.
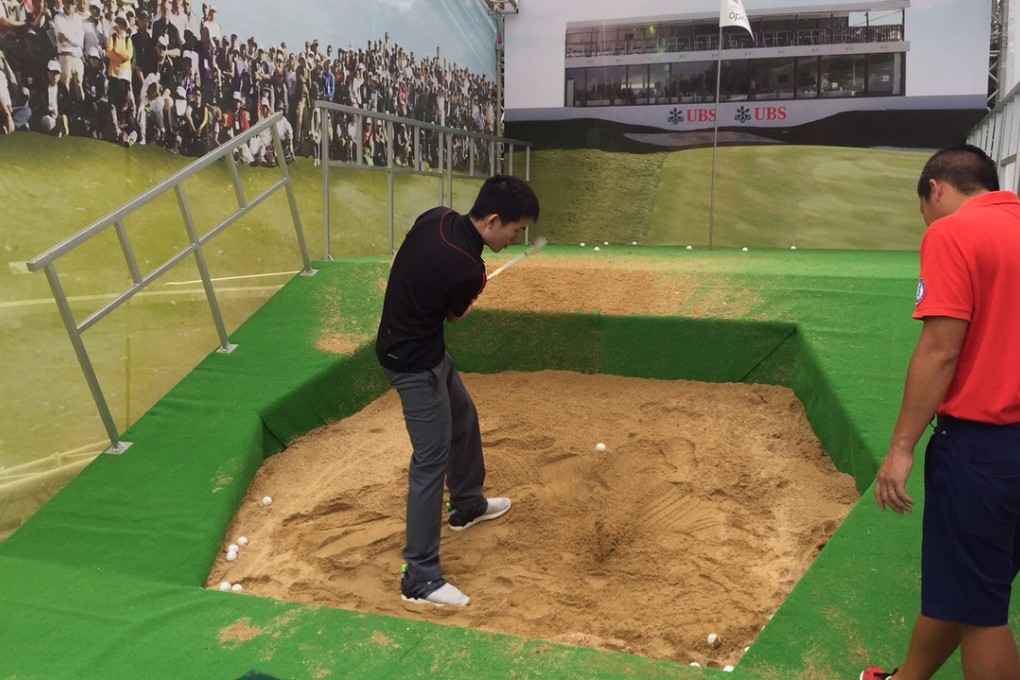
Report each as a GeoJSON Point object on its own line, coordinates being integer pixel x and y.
{"type": "Point", "coordinates": [891, 483]}
{"type": "Point", "coordinates": [931, 369]}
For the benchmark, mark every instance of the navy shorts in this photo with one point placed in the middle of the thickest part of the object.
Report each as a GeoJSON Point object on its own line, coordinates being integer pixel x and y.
{"type": "Point", "coordinates": [970, 550]}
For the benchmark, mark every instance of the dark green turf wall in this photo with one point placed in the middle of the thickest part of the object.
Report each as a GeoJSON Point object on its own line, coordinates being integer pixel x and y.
{"type": "Point", "coordinates": [708, 350]}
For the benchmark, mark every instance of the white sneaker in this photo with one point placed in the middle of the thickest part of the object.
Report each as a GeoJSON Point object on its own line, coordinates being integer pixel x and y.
{"type": "Point", "coordinates": [443, 596]}
{"type": "Point", "coordinates": [496, 507]}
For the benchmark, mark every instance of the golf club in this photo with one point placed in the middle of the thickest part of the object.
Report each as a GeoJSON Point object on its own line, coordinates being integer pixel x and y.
{"type": "Point", "coordinates": [539, 243]}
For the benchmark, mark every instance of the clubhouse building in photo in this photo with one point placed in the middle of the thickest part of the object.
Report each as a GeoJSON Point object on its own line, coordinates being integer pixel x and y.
{"type": "Point", "coordinates": [845, 72]}
{"type": "Point", "coordinates": [811, 53]}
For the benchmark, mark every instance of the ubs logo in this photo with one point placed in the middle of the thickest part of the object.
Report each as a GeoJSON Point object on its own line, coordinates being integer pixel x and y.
{"type": "Point", "coordinates": [760, 113]}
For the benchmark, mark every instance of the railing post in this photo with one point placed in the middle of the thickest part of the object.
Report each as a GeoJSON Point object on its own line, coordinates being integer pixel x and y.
{"type": "Point", "coordinates": [242, 201]}
{"type": "Point", "coordinates": [389, 172]}
{"type": "Point", "coordinates": [116, 445]}
{"type": "Point", "coordinates": [418, 165]}
{"type": "Point", "coordinates": [449, 165]}
{"type": "Point", "coordinates": [360, 148]}
{"type": "Point", "coordinates": [324, 128]}
{"type": "Point", "coordinates": [203, 271]}
{"type": "Point", "coordinates": [281, 160]}
{"type": "Point", "coordinates": [129, 253]}
{"type": "Point", "coordinates": [471, 155]}
{"type": "Point", "coordinates": [441, 153]}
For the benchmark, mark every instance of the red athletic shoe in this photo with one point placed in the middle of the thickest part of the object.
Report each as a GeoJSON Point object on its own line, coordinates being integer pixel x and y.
{"type": "Point", "coordinates": [873, 673]}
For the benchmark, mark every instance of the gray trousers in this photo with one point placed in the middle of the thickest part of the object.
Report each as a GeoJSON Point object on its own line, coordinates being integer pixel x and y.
{"type": "Point", "coordinates": [442, 423]}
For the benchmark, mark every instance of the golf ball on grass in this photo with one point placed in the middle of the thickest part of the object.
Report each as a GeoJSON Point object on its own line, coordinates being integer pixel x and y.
{"type": "Point", "coordinates": [582, 244]}
{"type": "Point", "coordinates": [600, 447]}
{"type": "Point", "coordinates": [225, 586]}
{"type": "Point", "coordinates": [690, 247]}
{"type": "Point", "coordinates": [267, 501]}
{"type": "Point", "coordinates": [744, 249]}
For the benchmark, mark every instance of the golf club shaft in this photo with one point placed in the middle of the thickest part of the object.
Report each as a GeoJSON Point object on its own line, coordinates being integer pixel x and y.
{"type": "Point", "coordinates": [533, 249]}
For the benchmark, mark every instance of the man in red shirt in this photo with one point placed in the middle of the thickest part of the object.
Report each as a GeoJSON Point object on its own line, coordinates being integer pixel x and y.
{"type": "Point", "coordinates": [966, 371]}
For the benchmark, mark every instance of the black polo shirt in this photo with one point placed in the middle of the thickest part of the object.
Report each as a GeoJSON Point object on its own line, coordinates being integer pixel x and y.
{"type": "Point", "coordinates": [438, 270]}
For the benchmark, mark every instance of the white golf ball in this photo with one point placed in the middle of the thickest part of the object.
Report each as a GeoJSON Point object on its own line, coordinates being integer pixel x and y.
{"type": "Point", "coordinates": [225, 586]}
{"type": "Point", "coordinates": [690, 247]}
{"type": "Point", "coordinates": [633, 243]}
{"type": "Point", "coordinates": [237, 587]}
{"type": "Point", "coordinates": [596, 249]}
{"type": "Point", "coordinates": [600, 447]}
{"type": "Point", "coordinates": [582, 244]}
{"type": "Point", "coordinates": [232, 548]}
{"type": "Point", "coordinates": [231, 556]}
{"type": "Point", "coordinates": [605, 243]}
{"type": "Point", "coordinates": [695, 664]}
{"type": "Point", "coordinates": [744, 249]}
{"type": "Point", "coordinates": [713, 640]}
{"type": "Point", "coordinates": [267, 501]}
{"type": "Point", "coordinates": [793, 247]}
{"type": "Point", "coordinates": [242, 541]}
{"type": "Point", "coordinates": [728, 669]}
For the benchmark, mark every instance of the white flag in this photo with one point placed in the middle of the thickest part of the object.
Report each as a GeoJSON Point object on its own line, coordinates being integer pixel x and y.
{"type": "Point", "coordinates": [733, 14]}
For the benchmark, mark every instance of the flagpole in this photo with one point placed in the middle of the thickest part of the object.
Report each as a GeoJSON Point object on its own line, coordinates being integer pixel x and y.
{"type": "Point", "coordinates": [715, 143]}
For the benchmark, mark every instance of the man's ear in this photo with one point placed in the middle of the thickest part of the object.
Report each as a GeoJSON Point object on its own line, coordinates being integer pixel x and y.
{"type": "Point", "coordinates": [492, 222]}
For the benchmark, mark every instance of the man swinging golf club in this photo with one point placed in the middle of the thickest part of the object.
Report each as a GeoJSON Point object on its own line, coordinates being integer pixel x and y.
{"type": "Point", "coordinates": [435, 277]}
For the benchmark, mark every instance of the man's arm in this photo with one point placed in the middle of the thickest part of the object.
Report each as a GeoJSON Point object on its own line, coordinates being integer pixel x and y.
{"type": "Point", "coordinates": [454, 319]}
{"type": "Point", "coordinates": [931, 369]}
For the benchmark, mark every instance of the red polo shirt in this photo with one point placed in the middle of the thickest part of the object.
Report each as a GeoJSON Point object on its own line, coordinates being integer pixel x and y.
{"type": "Point", "coordinates": [970, 270]}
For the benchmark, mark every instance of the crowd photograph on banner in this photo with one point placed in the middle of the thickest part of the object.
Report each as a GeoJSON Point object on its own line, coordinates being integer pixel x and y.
{"type": "Point", "coordinates": [168, 73]}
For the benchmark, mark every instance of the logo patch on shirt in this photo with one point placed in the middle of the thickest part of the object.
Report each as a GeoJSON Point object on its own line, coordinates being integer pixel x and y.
{"type": "Point", "coordinates": [920, 292]}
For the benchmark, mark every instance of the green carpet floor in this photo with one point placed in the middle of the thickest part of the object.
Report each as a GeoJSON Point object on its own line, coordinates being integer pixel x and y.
{"type": "Point", "coordinates": [105, 581]}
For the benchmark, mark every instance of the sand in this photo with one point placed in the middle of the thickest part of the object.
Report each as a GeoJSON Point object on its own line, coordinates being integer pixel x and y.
{"type": "Point", "coordinates": [707, 507]}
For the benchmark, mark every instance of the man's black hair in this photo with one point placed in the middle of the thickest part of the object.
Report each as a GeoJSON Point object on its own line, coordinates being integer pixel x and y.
{"type": "Point", "coordinates": [509, 197]}
{"type": "Point", "coordinates": [965, 167]}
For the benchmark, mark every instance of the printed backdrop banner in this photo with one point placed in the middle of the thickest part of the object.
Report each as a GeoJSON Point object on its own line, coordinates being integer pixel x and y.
{"type": "Point", "coordinates": [189, 77]}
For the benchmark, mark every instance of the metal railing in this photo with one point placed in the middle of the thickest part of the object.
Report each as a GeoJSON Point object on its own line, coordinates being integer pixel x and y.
{"type": "Point", "coordinates": [372, 140]}
{"type": "Point", "coordinates": [844, 35]}
{"type": "Point", "coordinates": [47, 261]}
{"type": "Point", "coordinates": [998, 134]}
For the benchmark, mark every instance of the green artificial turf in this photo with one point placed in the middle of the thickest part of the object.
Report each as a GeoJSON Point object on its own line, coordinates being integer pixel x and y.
{"type": "Point", "coordinates": [109, 573]}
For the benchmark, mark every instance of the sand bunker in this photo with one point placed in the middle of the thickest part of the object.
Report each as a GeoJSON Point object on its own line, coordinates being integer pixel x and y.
{"type": "Point", "coordinates": [709, 504]}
